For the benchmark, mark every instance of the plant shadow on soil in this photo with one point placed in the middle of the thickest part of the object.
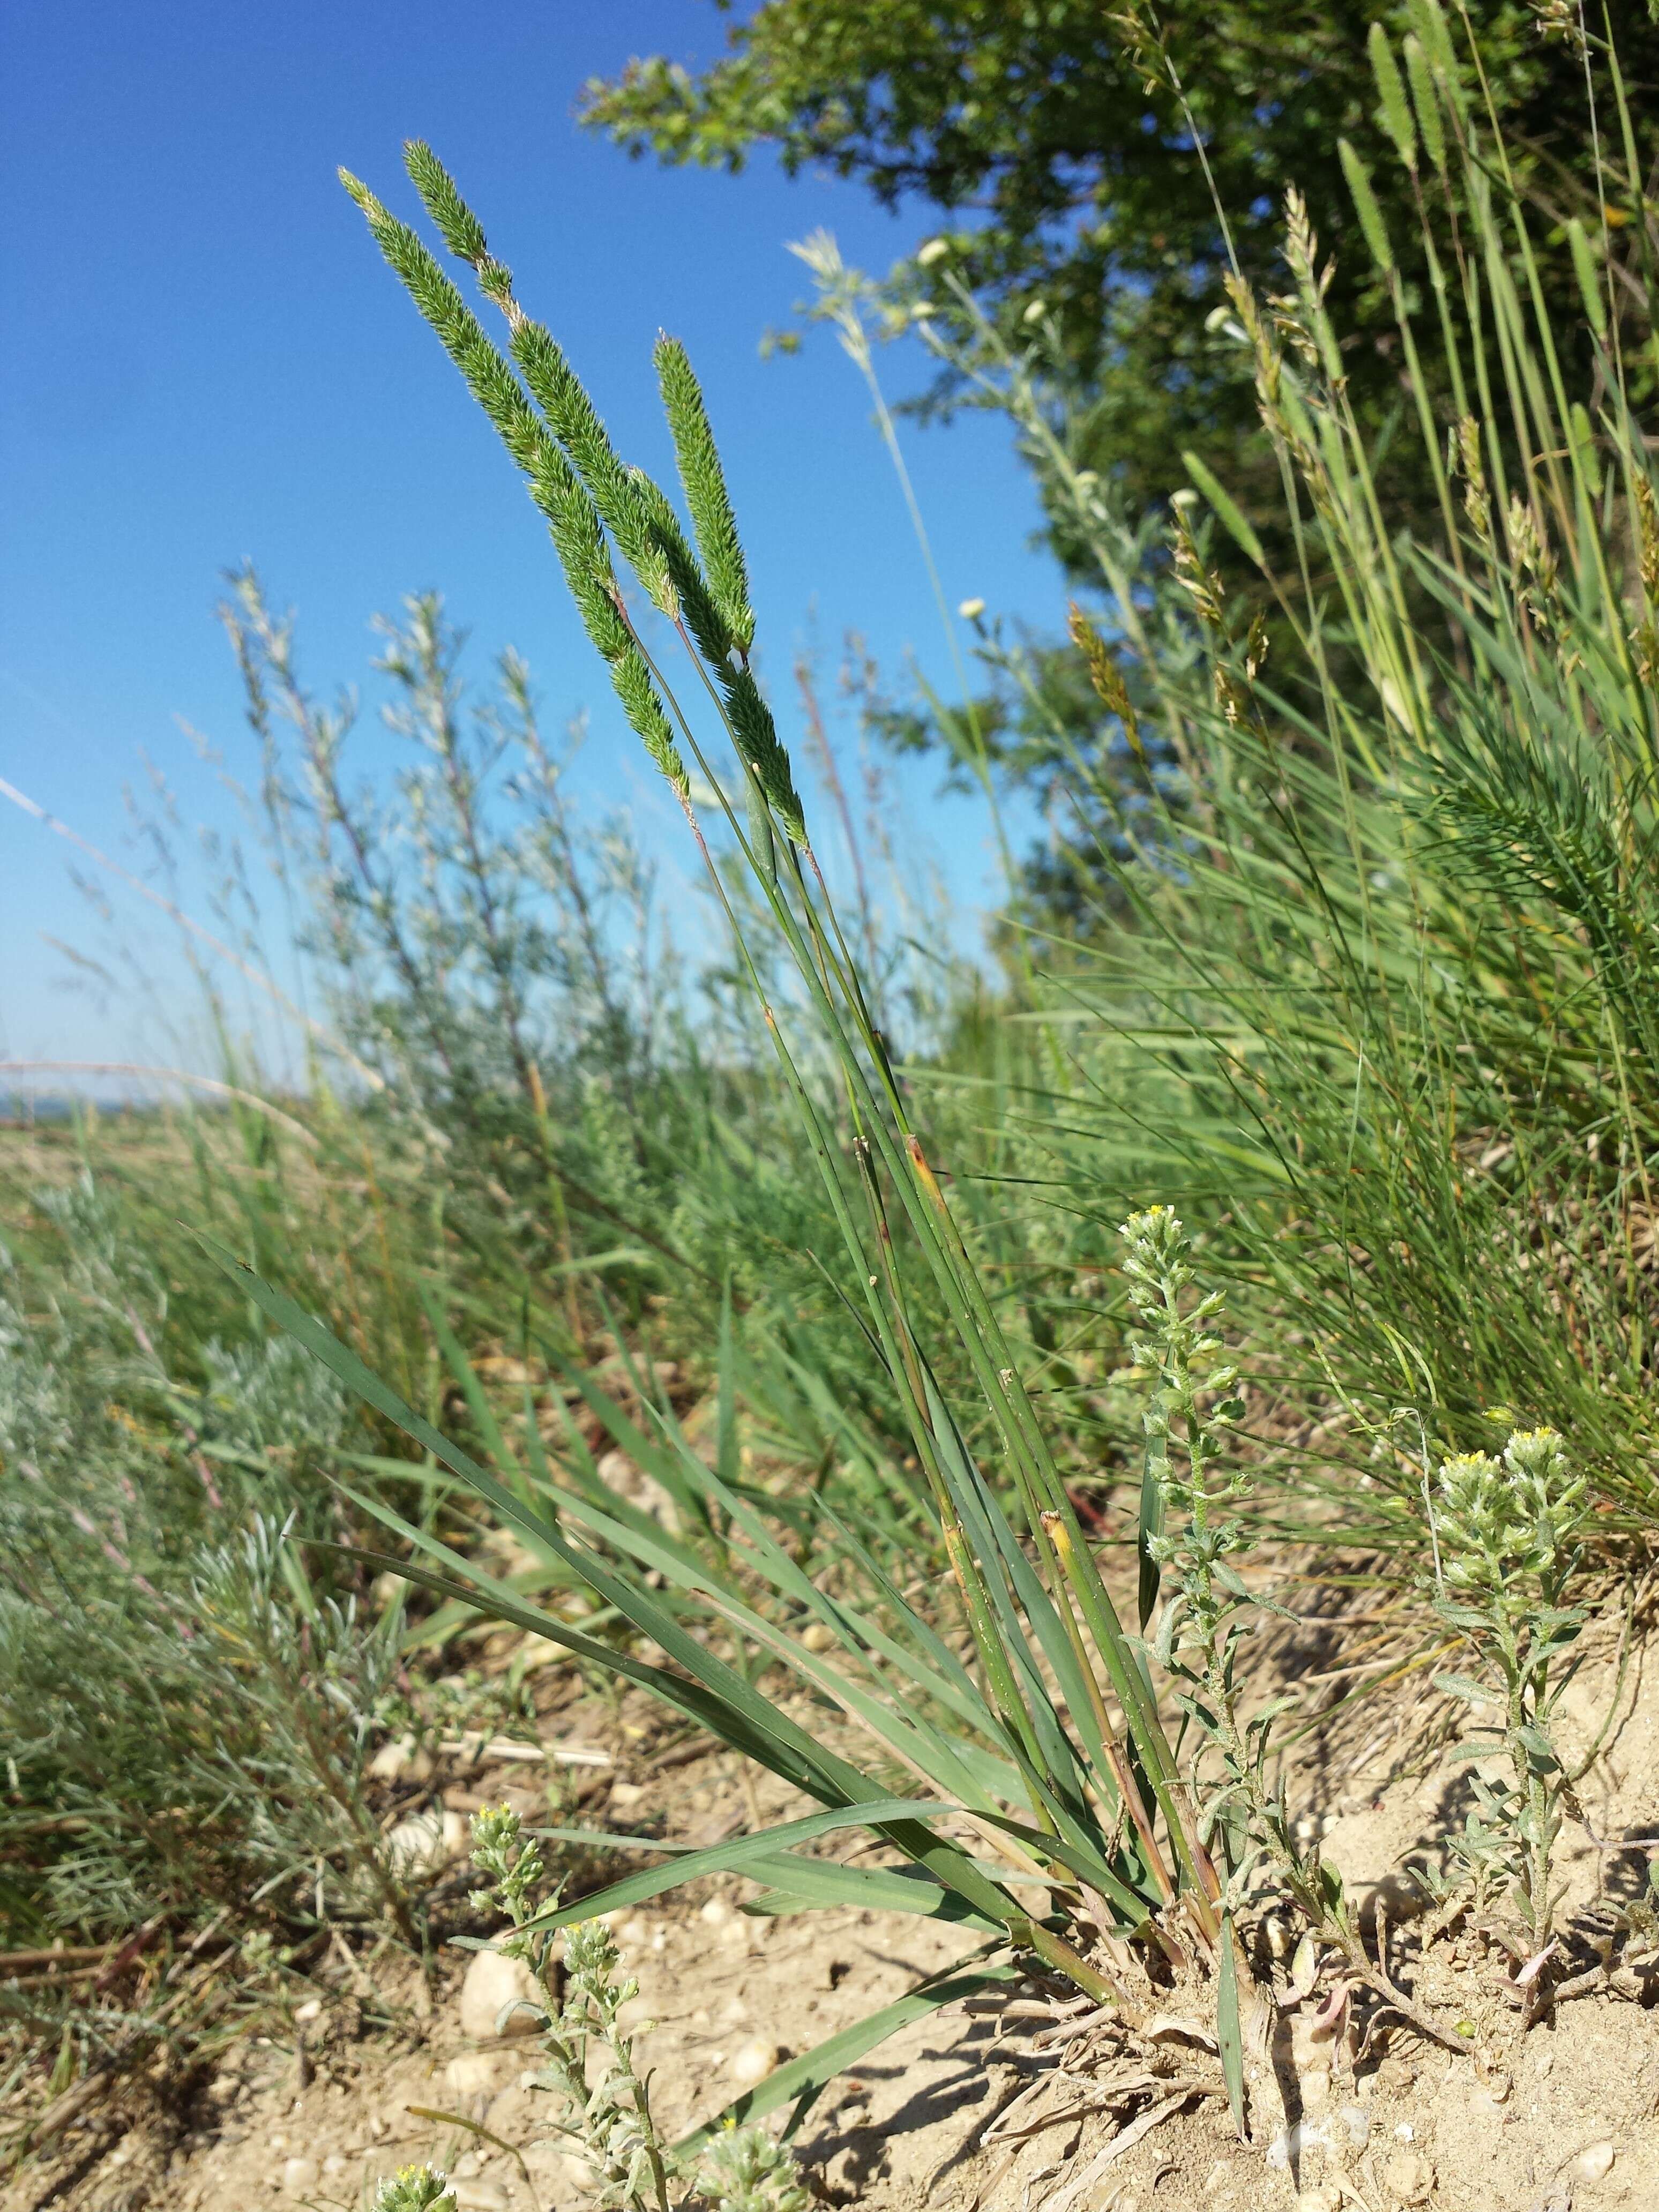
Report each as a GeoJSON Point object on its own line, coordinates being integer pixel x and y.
{"type": "Point", "coordinates": [1503, 2129]}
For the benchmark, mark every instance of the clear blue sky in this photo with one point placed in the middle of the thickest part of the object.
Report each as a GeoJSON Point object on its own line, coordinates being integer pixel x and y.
{"type": "Point", "coordinates": [204, 360]}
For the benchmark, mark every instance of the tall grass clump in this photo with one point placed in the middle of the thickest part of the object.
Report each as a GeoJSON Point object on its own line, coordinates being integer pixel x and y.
{"type": "Point", "coordinates": [1361, 872]}
{"type": "Point", "coordinates": [1042, 1747]}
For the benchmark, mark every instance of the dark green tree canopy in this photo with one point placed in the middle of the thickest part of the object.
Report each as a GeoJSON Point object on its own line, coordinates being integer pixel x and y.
{"type": "Point", "coordinates": [1079, 180]}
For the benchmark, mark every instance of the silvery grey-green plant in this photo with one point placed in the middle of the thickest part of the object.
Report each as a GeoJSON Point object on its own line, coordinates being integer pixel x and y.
{"type": "Point", "coordinates": [747, 2170]}
{"type": "Point", "coordinates": [415, 2189]}
{"type": "Point", "coordinates": [1505, 1535]}
{"type": "Point", "coordinates": [1191, 1538]}
{"type": "Point", "coordinates": [605, 2102]}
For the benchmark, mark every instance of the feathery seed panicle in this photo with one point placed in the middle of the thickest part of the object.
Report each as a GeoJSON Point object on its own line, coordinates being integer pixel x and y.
{"type": "Point", "coordinates": [1104, 673]}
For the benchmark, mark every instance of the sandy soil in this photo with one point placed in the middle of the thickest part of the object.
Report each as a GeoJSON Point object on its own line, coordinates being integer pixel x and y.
{"type": "Point", "coordinates": [970, 2111]}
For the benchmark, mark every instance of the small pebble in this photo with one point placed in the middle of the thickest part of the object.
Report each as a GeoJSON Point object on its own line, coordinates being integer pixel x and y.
{"type": "Point", "coordinates": [1356, 2125]}
{"type": "Point", "coordinates": [334, 2163]}
{"type": "Point", "coordinates": [400, 1762]}
{"type": "Point", "coordinates": [494, 1982]}
{"type": "Point", "coordinates": [1408, 2178]}
{"type": "Point", "coordinates": [312, 2009]}
{"type": "Point", "coordinates": [1595, 2163]}
{"type": "Point", "coordinates": [1290, 2145]}
{"type": "Point", "coordinates": [624, 1796]}
{"type": "Point", "coordinates": [415, 1846]}
{"type": "Point", "coordinates": [1328, 2198]}
{"type": "Point", "coordinates": [301, 2176]}
{"type": "Point", "coordinates": [819, 1636]}
{"type": "Point", "coordinates": [635, 1930]}
{"type": "Point", "coordinates": [717, 1912]}
{"type": "Point", "coordinates": [753, 2061]}
{"type": "Point", "coordinates": [480, 2197]}
{"type": "Point", "coordinates": [1280, 1942]}
{"type": "Point", "coordinates": [473, 2073]}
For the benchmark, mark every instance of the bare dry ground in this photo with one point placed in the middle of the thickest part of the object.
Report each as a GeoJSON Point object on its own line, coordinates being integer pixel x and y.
{"type": "Point", "coordinates": [1041, 2105]}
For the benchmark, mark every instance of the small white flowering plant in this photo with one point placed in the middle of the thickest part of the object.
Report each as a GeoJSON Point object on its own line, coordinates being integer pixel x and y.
{"type": "Point", "coordinates": [1191, 1538]}
{"type": "Point", "coordinates": [1505, 1545]}
{"type": "Point", "coordinates": [607, 2118]}
{"type": "Point", "coordinates": [589, 2055]}
{"type": "Point", "coordinates": [415, 2189]}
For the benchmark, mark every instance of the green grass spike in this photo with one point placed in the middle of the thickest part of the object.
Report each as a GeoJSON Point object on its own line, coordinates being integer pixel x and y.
{"type": "Point", "coordinates": [1395, 108]}
{"type": "Point", "coordinates": [705, 494]}
{"type": "Point", "coordinates": [1364, 200]}
{"type": "Point", "coordinates": [573, 520]}
{"type": "Point", "coordinates": [1426, 100]}
{"type": "Point", "coordinates": [553, 384]}
{"type": "Point", "coordinates": [463, 233]}
{"type": "Point", "coordinates": [757, 738]}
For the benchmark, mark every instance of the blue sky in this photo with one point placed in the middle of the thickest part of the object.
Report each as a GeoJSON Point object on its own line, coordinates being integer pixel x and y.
{"type": "Point", "coordinates": [204, 361]}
